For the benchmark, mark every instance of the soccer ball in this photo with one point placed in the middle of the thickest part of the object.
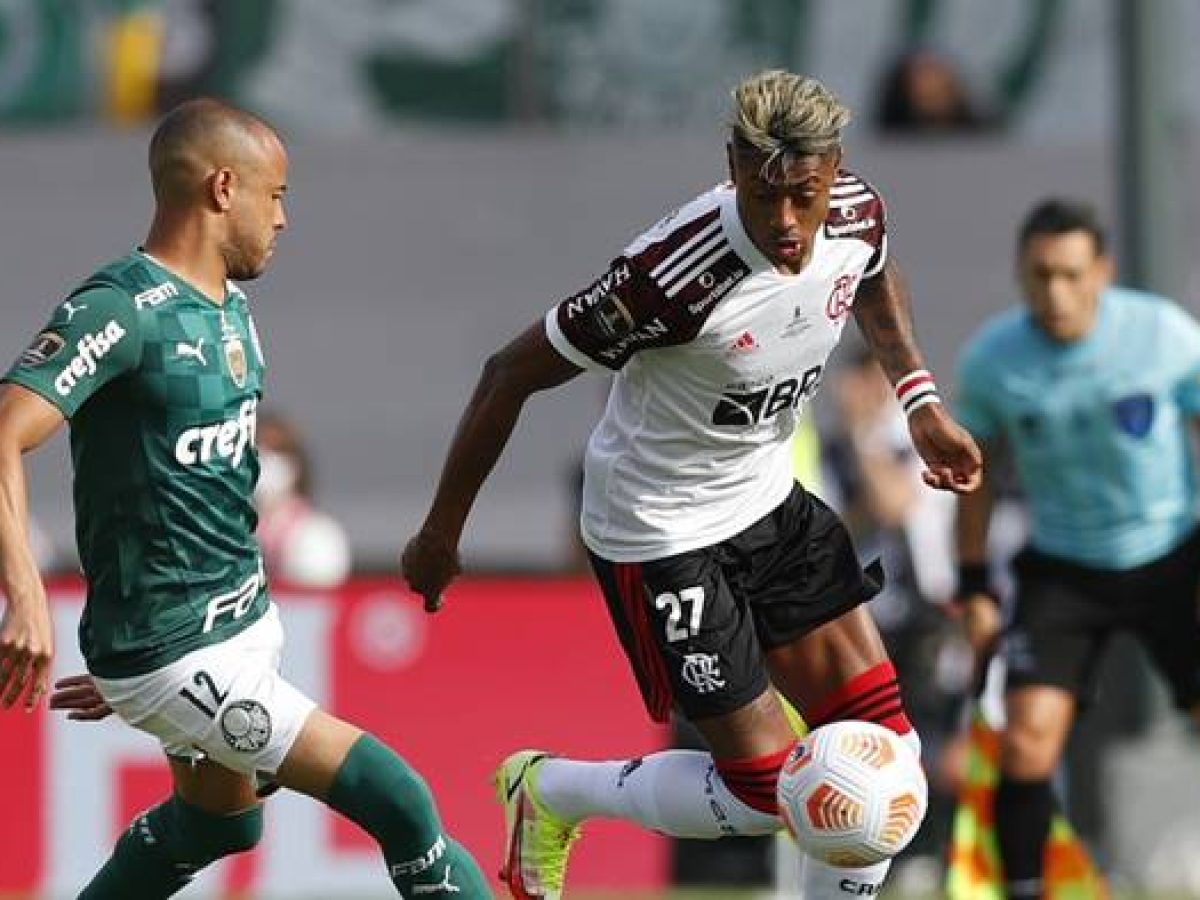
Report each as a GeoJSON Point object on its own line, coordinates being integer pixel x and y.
{"type": "Point", "coordinates": [852, 793]}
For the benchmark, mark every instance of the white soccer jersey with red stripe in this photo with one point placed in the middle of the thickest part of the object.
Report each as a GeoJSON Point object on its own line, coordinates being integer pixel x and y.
{"type": "Point", "coordinates": [715, 352]}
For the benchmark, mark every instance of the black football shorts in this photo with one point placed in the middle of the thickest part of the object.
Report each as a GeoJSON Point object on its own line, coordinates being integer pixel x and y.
{"type": "Point", "coordinates": [695, 625]}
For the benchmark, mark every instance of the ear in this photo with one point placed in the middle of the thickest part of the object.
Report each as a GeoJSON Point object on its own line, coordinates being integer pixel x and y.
{"type": "Point", "coordinates": [835, 158]}
{"type": "Point", "coordinates": [1108, 269]}
{"type": "Point", "coordinates": [220, 186]}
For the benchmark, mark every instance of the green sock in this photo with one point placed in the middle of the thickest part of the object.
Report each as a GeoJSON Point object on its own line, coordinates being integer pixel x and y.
{"type": "Point", "coordinates": [164, 847]}
{"type": "Point", "coordinates": [381, 793]}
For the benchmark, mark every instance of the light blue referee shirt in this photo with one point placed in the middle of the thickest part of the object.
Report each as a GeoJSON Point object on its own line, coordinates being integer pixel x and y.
{"type": "Point", "coordinates": [1098, 428]}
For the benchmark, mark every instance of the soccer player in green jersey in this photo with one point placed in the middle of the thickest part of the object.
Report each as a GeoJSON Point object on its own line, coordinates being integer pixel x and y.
{"type": "Point", "coordinates": [156, 364]}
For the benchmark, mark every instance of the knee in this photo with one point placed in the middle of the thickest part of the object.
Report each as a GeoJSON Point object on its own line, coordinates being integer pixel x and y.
{"type": "Point", "coordinates": [381, 793]}
{"type": "Point", "coordinates": [210, 837]}
{"type": "Point", "coordinates": [404, 802]}
{"type": "Point", "coordinates": [242, 832]}
{"type": "Point", "coordinates": [1028, 751]}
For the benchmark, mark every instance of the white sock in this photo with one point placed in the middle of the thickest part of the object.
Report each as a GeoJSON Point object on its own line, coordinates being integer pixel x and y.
{"type": "Point", "coordinates": [676, 792]}
{"type": "Point", "coordinates": [821, 881]}
{"type": "Point", "coordinates": [913, 740]}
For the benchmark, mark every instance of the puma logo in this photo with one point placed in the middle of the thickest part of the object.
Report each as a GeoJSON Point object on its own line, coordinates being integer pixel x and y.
{"type": "Point", "coordinates": [445, 886]}
{"type": "Point", "coordinates": [72, 310]}
{"type": "Point", "coordinates": [184, 350]}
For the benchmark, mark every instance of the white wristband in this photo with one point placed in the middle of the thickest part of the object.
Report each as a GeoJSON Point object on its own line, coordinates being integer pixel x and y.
{"type": "Point", "coordinates": [916, 389]}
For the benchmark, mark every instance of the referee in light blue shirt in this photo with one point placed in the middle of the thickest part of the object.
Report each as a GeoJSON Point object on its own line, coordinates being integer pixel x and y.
{"type": "Point", "coordinates": [1091, 388]}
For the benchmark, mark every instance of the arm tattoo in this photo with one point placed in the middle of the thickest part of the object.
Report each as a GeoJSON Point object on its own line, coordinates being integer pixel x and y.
{"type": "Point", "coordinates": [881, 309]}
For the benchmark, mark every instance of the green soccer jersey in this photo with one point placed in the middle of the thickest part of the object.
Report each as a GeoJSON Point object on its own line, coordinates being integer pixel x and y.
{"type": "Point", "coordinates": [161, 387]}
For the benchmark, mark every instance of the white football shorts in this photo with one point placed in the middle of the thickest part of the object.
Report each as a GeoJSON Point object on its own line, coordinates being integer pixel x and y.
{"type": "Point", "coordinates": [226, 702]}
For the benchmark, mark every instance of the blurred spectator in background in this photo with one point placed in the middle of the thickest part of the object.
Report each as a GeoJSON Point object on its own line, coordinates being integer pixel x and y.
{"type": "Point", "coordinates": [924, 92]}
{"type": "Point", "coordinates": [300, 544]}
{"type": "Point", "coordinates": [873, 477]}
{"type": "Point", "coordinates": [43, 550]}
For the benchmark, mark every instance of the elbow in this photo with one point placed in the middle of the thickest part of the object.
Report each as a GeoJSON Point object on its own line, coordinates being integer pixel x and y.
{"type": "Point", "coordinates": [497, 370]}
{"type": "Point", "coordinates": [501, 379]}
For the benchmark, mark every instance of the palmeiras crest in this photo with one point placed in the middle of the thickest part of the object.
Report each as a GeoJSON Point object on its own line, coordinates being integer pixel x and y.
{"type": "Point", "coordinates": [235, 359]}
{"type": "Point", "coordinates": [246, 726]}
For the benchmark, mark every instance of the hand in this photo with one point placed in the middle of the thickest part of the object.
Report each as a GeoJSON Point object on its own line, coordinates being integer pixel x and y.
{"type": "Point", "coordinates": [429, 563]}
{"type": "Point", "coordinates": [950, 453]}
{"type": "Point", "coordinates": [78, 694]}
{"type": "Point", "coordinates": [980, 625]}
{"type": "Point", "coordinates": [26, 649]}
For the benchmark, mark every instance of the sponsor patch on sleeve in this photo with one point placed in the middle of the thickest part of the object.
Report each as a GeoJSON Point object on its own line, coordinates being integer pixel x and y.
{"type": "Point", "coordinates": [44, 348]}
{"type": "Point", "coordinates": [608, 320]}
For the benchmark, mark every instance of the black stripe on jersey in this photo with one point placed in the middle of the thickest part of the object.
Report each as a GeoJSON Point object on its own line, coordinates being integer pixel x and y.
{"type": "Point", "coordinates": [856, 211]}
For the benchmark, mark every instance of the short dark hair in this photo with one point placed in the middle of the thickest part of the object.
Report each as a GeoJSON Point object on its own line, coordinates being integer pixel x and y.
{"type": "Point", "coordinates": [189, 132]}
{"type": "Point", "coordinates": [1059, 216]}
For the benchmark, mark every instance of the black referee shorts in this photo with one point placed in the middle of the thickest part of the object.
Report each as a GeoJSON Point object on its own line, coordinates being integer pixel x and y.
{"type": "Point", "coordinates": [1067, 613]}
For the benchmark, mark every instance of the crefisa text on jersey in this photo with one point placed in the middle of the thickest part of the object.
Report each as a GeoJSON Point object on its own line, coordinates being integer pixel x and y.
{"type": "Point", "coordinates": [227, 439]}
{"type": "Point", "coordinates": [91, 349]}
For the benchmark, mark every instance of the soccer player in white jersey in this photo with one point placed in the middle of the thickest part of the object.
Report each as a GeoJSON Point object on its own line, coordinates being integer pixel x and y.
{"type": "Point", "coordinates": [725, 580]}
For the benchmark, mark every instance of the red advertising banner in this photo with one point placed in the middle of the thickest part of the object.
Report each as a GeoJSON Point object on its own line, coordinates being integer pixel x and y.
{"type": "Point", "coordinates": [507, 664]}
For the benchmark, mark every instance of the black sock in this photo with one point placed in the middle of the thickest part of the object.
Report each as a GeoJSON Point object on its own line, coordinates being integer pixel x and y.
{"type": "Point", "coordinates": [1023, 812]}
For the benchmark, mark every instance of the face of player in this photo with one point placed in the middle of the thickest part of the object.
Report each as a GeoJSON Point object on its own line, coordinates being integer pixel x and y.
{"type": "Point", "coordinates": [782, 210]}
{"type": "Point", "coordinates": [1062, 277]}
{"type": "Point", "coordinates": [256, 213]}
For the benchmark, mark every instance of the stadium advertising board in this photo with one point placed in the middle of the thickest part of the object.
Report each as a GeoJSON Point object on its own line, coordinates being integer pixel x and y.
{"type": "Point", "coordinates": [507, 664]}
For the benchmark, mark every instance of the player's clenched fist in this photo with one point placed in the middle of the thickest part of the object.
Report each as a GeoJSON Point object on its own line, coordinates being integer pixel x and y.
{"type": "Point", "coordinates": [26, 648]}
{"type": "Point", "coordinates": [428, 564]}
{"type": "Point", "coordinates": [951, 455]}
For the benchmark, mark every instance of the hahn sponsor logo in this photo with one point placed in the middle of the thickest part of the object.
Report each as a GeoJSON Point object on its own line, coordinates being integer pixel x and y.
{"type": "Point", "coordinates": [90, 349]}
{"type": "Point", "coordinates": [609, 282]}
{"type": "Point", "coordinates": [652, 330]}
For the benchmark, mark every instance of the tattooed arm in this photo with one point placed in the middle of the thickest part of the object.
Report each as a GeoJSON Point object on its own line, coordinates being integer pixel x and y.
{"type": "Point", "coordinates": [882, 310]}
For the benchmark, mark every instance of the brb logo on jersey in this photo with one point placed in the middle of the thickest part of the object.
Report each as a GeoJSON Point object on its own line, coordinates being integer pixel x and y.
{"type": "Point", "coordinates": [221, 440]}
{"type": "Point", "coordinates": [90, 349]}
{"type": "Point", "coordinates": [754, 407]}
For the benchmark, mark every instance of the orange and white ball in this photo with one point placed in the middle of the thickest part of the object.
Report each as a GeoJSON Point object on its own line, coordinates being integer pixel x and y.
{"type": "Point", "coordinates": [852, 793]}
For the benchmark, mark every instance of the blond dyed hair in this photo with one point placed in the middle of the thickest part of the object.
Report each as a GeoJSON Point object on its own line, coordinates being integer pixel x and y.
{"type": "Point", "coordinates": [783, 115]}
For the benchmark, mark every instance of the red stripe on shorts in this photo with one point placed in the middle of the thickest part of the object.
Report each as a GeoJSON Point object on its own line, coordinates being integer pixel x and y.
{"type": "Point", "coordinates": [651, 669]}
